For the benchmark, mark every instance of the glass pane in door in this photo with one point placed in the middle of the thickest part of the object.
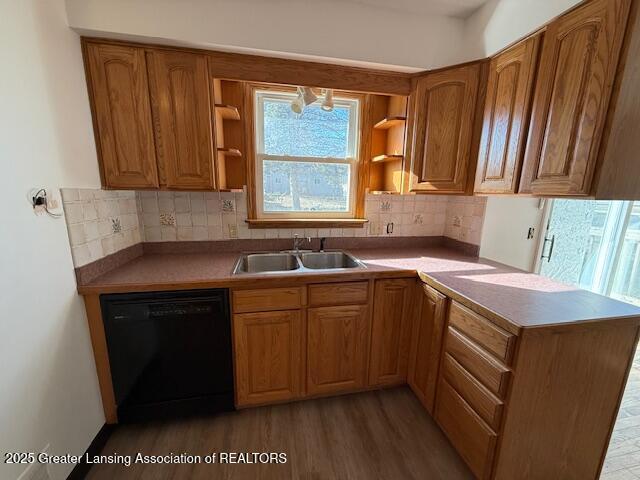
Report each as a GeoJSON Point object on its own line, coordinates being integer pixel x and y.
{"type": "Point", "coordinates": [594, 244]}
{"type": "Point", "coordinates": [626, 278]}
{"type": "Point", "coordinates": [573, 240]}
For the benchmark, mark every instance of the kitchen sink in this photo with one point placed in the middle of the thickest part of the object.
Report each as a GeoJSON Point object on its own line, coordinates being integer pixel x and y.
{"type": "Point", "coordinates": [329, 260]}
{"type": "Point", "coordinates": [294, 261]}
{"type": "Point", "coordinates": [266, 263]}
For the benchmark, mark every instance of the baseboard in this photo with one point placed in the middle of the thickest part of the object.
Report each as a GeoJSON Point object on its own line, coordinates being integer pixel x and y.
{"type": "Point", "coordinates": [81, 469]}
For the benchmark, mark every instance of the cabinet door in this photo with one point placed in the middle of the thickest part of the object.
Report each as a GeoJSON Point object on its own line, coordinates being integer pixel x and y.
{"type": "Point", "coordinates": [392, 321]}
{"type": "Point", "coordinates": [182, 111]}
{"type": "Point", "coordinates": [337, 344]}
{"type": "Point", "coordinates": [117, 77]}
{"type": "Point", "coordinates": [444, 124]}
{"type": "Point", "coordinates": [268, 355]}
{"type": "Point", "coordinates": [577, 67]}
{"type": "Point", "coordinates": [427, 345]}
{"type": "Point", "coordinates": [506, 118]}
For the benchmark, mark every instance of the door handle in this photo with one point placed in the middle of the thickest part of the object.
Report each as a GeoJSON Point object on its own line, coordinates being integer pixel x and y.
{"type": "Point", "coordinates": [553, 242]}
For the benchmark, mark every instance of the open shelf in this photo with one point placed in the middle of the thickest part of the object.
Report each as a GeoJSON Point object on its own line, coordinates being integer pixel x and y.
{"type": "Point", "coordinates": [389, 122]}
{"type": "Point", "coordinates": [386, 158]}
{"type": "Point", "coordinates": [388, 132]}
{"type": "Point", "coordinates": [230, 152]}
{"type": "Point", "coordinates": [227, 112]}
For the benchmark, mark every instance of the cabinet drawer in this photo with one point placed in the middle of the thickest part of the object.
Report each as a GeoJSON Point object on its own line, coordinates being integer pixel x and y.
{"type": "Point", "coordinates": [488, 371]}
{"type": "Point", "coordinates": [495, 340]}
{"type": "Point", "coordinates": [345, 293]}
{"type": "Point", "coordinates": [483, 402]}
{"type": "Point", "coordinates": [267, 299]}
{"type": "Point", "coordinates": [474, 441]}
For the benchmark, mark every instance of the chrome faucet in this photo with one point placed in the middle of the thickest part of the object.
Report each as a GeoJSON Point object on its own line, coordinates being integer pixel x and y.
{"type": "Point", "coordinates": [297, 241]}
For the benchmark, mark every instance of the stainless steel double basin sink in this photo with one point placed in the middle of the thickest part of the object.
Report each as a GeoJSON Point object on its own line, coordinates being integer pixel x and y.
{"type": "Point", "coordinates": [292, 261]}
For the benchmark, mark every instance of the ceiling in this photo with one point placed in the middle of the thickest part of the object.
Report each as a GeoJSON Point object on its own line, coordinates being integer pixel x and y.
{"type": "Point", "coordinates": [454, 8]}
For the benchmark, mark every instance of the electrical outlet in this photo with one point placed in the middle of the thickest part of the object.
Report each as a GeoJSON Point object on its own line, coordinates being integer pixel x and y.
{"type": "Point", "coordinates": [390, 228]}
{"type": "Point", "coordinates": [53, 203]}
{"type": "Point", "coordinates": [46, 200]}
{"type": "Point", "coordinates": [233, 231]}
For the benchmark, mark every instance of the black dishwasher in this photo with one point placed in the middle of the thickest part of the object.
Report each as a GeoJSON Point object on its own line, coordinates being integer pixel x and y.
{"type": "Point", "coordinates": [169, 352]}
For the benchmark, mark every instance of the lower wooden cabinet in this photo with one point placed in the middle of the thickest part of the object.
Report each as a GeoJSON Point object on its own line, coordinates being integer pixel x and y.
{"type": "Point", "coordinates": [484, 403]}
{"type": "Point", "coordinates": [515, 402]}
{"type": "Point", "coordinates": [337, 344]}
{"type": "Point", "coordinates": [474, 441]}
{"type": "Point", "coordinates": [292, 342]}
{"type": "Point", "coordinates": [426, 346]}
{"type": "Point", "coordinates": [391, 328]}
{"type": "Point", "coordinates": [268, 355]}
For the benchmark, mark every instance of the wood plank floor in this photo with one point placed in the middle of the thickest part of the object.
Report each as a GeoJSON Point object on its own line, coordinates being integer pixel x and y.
{"type": "Point", "coordinates": [375, 435]}
{"type": "Point", "coordinates": [623, 457]}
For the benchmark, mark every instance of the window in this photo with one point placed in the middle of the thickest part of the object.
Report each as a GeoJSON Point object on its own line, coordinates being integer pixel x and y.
{"type": "Point", "coordinates": [306, 164]}
{"type": "Point", "coordinates": [596, 245]}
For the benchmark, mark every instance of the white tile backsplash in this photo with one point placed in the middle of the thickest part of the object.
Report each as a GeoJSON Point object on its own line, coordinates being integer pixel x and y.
{"type": "Point", "coordinates": [185, 216]}
{"type": "Point", "coordinates": [224, 214]}
{"type": "Point", "coordinates": [100, 222]}
{"type": "Point", "coordinates": [464, 218]}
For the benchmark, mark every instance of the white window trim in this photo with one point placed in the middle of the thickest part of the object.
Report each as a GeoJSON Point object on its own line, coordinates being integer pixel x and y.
{"type": "Point", "coordinates": [351, 159]}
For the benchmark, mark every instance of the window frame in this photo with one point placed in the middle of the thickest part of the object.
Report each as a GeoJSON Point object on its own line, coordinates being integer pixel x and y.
{"type": "Point", "coordinates": [257, 217]}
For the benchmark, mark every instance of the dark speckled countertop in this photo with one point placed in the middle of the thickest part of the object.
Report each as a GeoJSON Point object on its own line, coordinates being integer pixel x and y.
{"type": "Point", "coordinates": [514, 298]}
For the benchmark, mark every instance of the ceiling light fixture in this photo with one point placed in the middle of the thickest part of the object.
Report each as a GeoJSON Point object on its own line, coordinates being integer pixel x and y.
{"type": "Point", "coordinates": [327, 103]}
{"type": "Point", "coordinates": [308, 96]}
{"type": "Point", "coordinates": [297, 104]}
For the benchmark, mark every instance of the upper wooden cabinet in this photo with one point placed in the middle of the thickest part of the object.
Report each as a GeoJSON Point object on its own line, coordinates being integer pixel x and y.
{"type": "Point", "coordinates": [577, 69]}
{"type": "Point", "coordinates": [506, 117]}
{"type": "Point", "coordinates": [153, 116]}
{"type": "Point", "coordinates": [390, 332]}
{"type": "Point", "coordinates": [179, 87]}
{"type": "Point", "coordinates": [117, 80]}
{"type": "Point", "coordinates": [427, 345]}
{"type": "Point", "coordinates": [444, 121]}
{"type": "Point", "coordinates": [618, 172]}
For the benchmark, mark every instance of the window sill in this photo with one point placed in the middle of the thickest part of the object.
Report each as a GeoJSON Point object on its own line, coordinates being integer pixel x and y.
{"type": "Point", "coordinates": [307, 223]}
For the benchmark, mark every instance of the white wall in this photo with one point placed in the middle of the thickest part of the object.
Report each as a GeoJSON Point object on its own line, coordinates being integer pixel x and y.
{"type": "Point", "coordinates": [325, 29]}
{"type": "Point", "coordinates": [48, 385]}
{"type": "Point", "coordinates": [504, 234]}
{"type": "Point", "coordinates": [500, 22]}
